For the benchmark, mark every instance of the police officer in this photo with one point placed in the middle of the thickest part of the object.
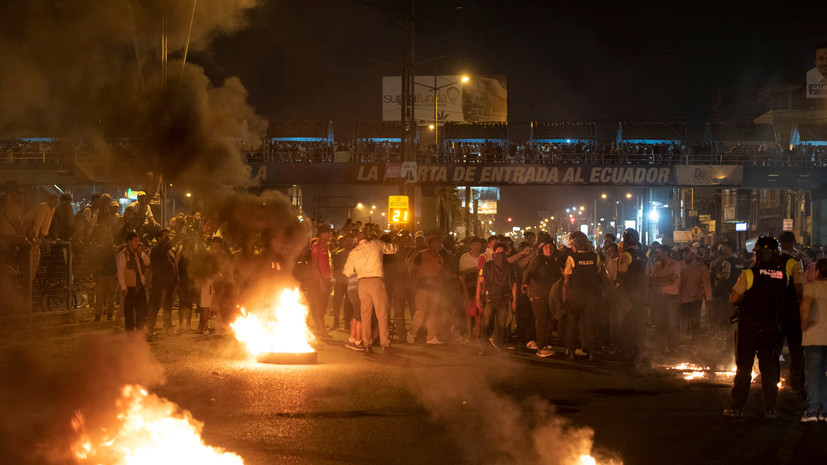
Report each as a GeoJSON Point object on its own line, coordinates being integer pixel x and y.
{"type": "Point", "coordinates": [789, 318]}
{"type": "Point", "coordinates": [580, 291]}
{"type": "Point", "coordinates": [759, 294]}
{"type": "Point", "coordinates": [631, 277]}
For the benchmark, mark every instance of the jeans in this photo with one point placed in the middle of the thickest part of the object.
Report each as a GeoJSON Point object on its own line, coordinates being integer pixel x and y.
{"type": "Point", "coordinates": [542, 321]}
{"type": "Point", "coordinates": [815, 364]}
{"type": "Point", "coordinates": [495, 314]}
{"type": "Point", "coordinates": [665, 315]}
{"type": "Point", "coordinates": [581, 321]}
{"type": "Point", "coordinates": [339, 298]}
{"type": "Point", "coordinates": [428, 307]}
{"type": "Point", "coordinates": [161, 296]}
{"type": "Point", "coordinates": [691, 317]}
{"type": "Point", "coordinates": [755, 337]}
{"type": "Point", "coordinates": [134, 308]}
{"type": "Point", "coordinates": [106, 288]}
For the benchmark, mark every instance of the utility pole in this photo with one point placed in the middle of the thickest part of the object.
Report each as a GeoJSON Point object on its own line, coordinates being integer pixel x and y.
{"type": "Point", "coordinates": [407, 142]}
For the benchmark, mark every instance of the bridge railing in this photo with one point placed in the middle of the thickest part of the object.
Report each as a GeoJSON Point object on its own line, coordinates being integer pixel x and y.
{"type": "Point", "coordinates": [52, 159]}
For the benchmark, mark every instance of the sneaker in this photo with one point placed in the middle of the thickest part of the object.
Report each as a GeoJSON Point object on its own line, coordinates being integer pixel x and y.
{"type": "Point", "coordinates": [351, 340]}
{"type": "Point", "coordinates": [809, 417]}
{"type": "Point", "coordinates": [411, 338]}
{"type": "Point", "coordinates": [509, 346]}
{"type": "Point", "coordinates": [733, 412]}
{"type": "Point", "coordinates": [543, 353]}
{"type": "Point", "coordinates": [770, 414]}
{"type": "Point", "coordinates": [434, 341]}
{"type": "Point", "coordinates": [532, 345]}
{"type": "Point", "coordinates": [579, 352]}
{"type": "Point", "coordinates": [822, 416]}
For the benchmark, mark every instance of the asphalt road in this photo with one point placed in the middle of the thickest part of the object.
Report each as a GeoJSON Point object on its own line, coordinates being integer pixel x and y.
{"type": "Point", "coordinates": [439, 405]}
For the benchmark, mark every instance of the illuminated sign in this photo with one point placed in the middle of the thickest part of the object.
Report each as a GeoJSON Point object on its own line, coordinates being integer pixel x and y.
{"type": "Point", "coordinates": [740, 226]}
{"type": "Point", "coordinates": [398, 209]}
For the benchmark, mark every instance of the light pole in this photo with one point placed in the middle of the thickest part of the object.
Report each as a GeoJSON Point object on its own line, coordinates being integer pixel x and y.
{"type": "Point", "coordinates": [435, 89]}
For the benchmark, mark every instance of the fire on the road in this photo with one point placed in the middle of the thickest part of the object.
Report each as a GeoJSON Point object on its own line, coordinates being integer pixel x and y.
{"type": "Point", "coordinates": [150, 431]}
{"type": "Point", "coordinates": [278, 328]}
{"type": "Point", "coordinates": [690, 372]}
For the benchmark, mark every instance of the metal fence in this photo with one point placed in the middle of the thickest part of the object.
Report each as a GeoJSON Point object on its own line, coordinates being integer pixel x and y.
{"type": "Point", "coordinates": [45, 277]}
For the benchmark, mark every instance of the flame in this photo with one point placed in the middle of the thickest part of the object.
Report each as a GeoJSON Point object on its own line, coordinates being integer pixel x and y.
{"type": "Point", "coordinates": [280, 328]}
{"type": "Point", "coordinates": [586, 459]}
{"type": "Point", "coordinates": [152, 430]}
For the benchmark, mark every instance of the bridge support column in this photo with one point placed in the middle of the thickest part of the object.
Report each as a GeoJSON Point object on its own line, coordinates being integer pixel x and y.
{"type": "Point", "coordinates": [428, 207]}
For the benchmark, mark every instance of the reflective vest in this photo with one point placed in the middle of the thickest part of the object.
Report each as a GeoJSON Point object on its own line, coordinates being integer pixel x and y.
{"type": "Point", "coordinates": [584, 275]}
{"type": "Point", "coordinates": [766, 288]}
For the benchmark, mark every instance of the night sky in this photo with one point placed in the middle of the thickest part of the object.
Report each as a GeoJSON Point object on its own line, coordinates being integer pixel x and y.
{"type": "Point", "coordinates": [575, 60]}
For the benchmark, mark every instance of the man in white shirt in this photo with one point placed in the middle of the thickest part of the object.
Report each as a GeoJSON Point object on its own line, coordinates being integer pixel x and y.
{"type": "Point", "coordinates": [365, 261]}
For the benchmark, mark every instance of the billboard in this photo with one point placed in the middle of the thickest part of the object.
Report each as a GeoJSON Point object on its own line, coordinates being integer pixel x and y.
{"type": "Point", "coordinates": [480, 98]}
{"type": "Point", "coordinates": [817, 76]}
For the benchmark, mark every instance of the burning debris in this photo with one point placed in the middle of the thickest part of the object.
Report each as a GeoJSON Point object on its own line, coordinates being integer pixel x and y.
{"type": "Point", "coordinates": [149, 430]}
{"type": "Point", "coordinates": [692, 372]}
{"type": "Point", "coordinates": [277, 332]}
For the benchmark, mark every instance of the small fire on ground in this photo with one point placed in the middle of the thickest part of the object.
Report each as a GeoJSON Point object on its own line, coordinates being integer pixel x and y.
{"type": "Point", "coordinates": [280, 327]}
{"type": "Point", "coordinates": [691, 372]}
{"type": "Point", "coordinates": [150, 430]}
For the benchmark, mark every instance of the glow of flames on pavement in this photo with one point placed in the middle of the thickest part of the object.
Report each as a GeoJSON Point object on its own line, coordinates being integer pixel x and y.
{"type": "Point", "coordinates": [280, 327]}
{"type": "Point", "coordinates": [151, 431]}
{"type": "Point", "coordinates": [690, 372]}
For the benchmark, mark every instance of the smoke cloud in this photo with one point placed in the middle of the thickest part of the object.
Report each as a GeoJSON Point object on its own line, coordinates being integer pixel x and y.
{"type": "Point", "coordinates": [494, 429]}
{"type": "Point", "coordinates": [92, 70]}
{"type": "Point", "coordinates": [41, 394]}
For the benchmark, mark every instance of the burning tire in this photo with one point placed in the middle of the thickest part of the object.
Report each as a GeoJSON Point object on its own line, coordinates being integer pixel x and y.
{"type": "Point", "coordinates": [280, 358]}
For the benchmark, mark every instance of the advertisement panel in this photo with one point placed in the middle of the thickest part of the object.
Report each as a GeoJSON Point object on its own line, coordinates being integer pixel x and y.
{"type": "Point", "coordinates": [709, 175]}
{"type": "Point", "coordinates": [480, 98]}
{"type": "Point", "coordinates": [817, 76]}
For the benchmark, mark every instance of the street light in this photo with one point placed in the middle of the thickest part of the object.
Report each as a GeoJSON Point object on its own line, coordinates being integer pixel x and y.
{"type": "Point", "coordinates": [602, 196]}
{"type": "Point", "coordinates": [435, 89]}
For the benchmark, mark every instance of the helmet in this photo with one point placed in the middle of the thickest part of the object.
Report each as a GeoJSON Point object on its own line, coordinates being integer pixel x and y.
{"type": "Point", "coordinates": [581, 241]}
{"type": "Point", "coordinates": [766, 249]}
{"type": "Point", "coordinates": [631, 236]}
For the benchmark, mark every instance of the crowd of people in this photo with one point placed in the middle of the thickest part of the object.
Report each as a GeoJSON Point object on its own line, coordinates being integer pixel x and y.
{"type": "Point", "coordinates": [574, 300]}
{"type": "Point", "coordinates": [570, 299]}
{"type": "Point", "coordinates": [489, 151]}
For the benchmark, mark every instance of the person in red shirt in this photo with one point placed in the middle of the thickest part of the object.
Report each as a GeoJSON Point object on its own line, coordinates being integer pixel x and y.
{"type": "Point", "coordinates": [319, 286]}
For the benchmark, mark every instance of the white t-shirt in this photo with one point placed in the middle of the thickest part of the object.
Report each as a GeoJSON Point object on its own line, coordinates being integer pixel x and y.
{"type": "Point", "coordinates": [468, 262]}
{"type": "Point", "coordinates": [816, 334]}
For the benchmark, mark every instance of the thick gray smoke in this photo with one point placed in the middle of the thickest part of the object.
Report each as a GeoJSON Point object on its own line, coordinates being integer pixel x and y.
{"type": "Point", "coordinates": [40, 394]}
{"type": "Point", "coordinates": [494, 429]}
{"type": "Point", "coordinates": [92, 70]}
